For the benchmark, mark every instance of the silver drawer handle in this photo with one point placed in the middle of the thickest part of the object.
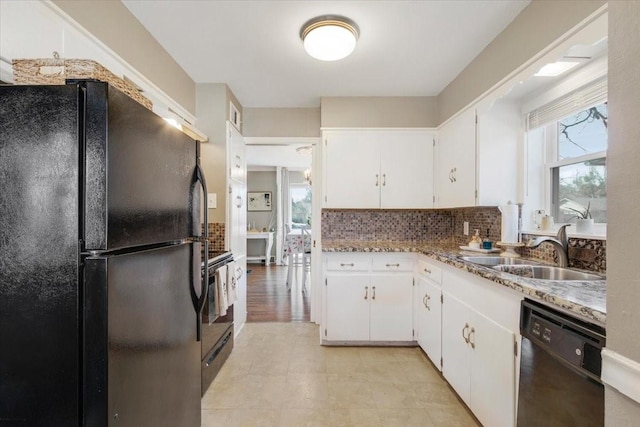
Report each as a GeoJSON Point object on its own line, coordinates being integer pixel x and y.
{"type": "Point", "coordinates": [347, 265]}
{"type": "Point", "coordinates": [426, 270]}
{"type": "Point", "coordinates": [377, 180]}
{"type": "Point", "coordinates": [466, 338]}
{"type": "Point", "coordinates": [393, 265]}
{"type": "Point", "coordinates": [427, 304]}
{"type": "Point", "coordinates": [366, 292]}
{"type": "Point", "coordinates": [374, 293]}
{"type": "Point", "coordinates": [473, 332]}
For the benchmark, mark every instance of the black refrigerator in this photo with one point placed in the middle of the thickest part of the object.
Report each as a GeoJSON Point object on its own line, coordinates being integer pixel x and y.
{"type": "Point", "coordinates": [100, 254]}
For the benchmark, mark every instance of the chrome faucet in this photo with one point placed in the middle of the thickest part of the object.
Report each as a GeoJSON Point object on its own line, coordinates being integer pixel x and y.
{"type": "Point", "coordinates": [561, 243]}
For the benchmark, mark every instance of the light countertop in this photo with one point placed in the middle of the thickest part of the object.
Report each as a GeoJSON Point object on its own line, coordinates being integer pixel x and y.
{"type": "Point", "coordinates": [587, 299]}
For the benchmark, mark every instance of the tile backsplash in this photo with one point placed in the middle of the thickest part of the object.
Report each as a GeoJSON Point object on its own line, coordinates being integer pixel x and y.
{"type": "Point", "coordinates": [447, 226]}
{"type": "Point", "coordinates": [381, 224]}
{"type": "Point", "coordinates": [216, 236]}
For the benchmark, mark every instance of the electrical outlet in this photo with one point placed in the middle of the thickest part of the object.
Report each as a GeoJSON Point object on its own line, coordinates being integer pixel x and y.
{"type": "Point", "coordinates": [466, 228]}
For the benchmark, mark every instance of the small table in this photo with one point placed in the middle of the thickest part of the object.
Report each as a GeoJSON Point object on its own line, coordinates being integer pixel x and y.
{"type": "Point", "coordinates": [267, 236]}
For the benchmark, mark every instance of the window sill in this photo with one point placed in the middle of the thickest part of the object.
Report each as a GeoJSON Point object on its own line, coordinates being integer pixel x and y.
{"type": "Point", "coordinates": [599, 234]}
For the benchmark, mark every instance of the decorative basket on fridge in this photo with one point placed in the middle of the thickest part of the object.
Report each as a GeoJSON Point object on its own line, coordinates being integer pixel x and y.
{"type": "Point", "coordinates": [54, 71]}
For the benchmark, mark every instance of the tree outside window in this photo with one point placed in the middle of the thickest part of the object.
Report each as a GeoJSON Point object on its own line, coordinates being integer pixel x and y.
{"type": "Point", "coordinates": [300, 206]}
{"type": "Point", "coordinates": [579, 177]}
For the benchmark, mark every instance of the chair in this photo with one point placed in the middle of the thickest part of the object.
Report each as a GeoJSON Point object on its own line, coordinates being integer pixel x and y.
{"type": "Point", "coordinates": [306, 257]}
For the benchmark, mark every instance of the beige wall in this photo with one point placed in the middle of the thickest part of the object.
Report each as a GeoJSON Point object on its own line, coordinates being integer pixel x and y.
{"type": "Point", "coordinates": [212, 110]}
{"type": "Point", "coordinates": [623, 158]}
{"type": "Point", "coordinates": [402, 111]}
{"type": "Point", "coordinates": [262, 181]}
{"type": "Point", "coordinates": [112, 23]}
{"type": "Point", "coordinates": [536, 27]}
{"type": "Point", "coordinates": [281, 122]}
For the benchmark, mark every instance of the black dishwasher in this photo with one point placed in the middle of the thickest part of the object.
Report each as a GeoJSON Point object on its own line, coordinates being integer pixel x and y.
{"type": "Point", "coordinates": [560, 367]}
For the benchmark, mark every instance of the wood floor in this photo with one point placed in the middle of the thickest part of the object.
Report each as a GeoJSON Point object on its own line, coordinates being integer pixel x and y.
{"type": "Point", "coordinates": [268, 299]}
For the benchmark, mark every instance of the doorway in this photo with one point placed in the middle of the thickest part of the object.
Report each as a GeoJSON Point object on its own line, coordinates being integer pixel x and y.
{"type": "Point", "coordinates": [277, 291]}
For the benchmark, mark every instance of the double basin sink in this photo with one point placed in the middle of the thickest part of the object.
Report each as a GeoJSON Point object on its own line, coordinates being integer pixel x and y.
{"type": "Point", "coordinates": [531, 269]}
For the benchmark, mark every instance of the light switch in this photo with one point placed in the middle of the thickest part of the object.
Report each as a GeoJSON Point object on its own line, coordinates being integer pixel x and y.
{"type": "Point", "coordinates": [212, 200]}
{"type": "Point", "coordinates": [465, 228]}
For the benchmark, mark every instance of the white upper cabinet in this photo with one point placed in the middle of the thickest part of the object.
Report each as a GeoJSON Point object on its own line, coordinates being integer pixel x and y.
{"type": "Point", "coordinates": [477, 156]}
{"type": "Point", "coordinates": [236, 151]}
{"type": "Point", "coordinates": [499, 131]}
{"type": "Point", "coordinates": [378, 169]}
{"type": "Point", "coordinates": [456, 162]}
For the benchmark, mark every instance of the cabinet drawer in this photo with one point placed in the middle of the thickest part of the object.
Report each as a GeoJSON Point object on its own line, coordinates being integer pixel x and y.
{"type": "Point", "coordinates": [348, 264]}
{"type": "Point", "coordinates": [429, 270]}
{"type": "Point", "coordinates": [401, 264]}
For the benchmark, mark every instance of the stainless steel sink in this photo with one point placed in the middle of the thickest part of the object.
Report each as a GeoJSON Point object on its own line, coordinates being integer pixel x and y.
{"type": "Point", "coordinates": [545, 272]}
{"type": "Point", "coordinates": [491, 261]}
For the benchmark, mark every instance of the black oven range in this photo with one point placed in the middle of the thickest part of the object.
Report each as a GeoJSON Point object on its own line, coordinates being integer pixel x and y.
{"type": "Point", "coordinates": [217, 331]}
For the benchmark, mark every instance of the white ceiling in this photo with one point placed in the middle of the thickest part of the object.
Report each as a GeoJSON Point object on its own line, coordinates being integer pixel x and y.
{"type": "Point", "coordinates": [406, 48]}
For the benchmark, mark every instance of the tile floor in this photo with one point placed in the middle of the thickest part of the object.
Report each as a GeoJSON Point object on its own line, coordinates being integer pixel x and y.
{"type": "Point", "coordinates": [278, 375]}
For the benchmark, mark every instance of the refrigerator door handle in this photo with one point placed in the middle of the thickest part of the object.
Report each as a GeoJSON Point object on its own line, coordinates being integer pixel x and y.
{"type": "Point", "coordinates": [205, 238]}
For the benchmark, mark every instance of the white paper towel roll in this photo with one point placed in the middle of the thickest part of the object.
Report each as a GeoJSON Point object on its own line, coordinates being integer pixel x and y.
{"type": "Point", "coordinates": [509, 223]}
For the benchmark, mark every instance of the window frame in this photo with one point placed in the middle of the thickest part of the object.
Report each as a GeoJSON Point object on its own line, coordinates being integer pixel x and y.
{"type": "Point", "coordinates": [551, 186]}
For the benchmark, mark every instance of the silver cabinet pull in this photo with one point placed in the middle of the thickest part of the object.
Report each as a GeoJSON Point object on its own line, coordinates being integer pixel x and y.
{"type": "Point", "coordinates": [427, 304]}
{"type": "Point", "coordinates": [424, 300]}
{"type": "Point", "coordinates": [374, 293]}
{"type": "Point", "coordinates": [466, 338]}
{"type": "Point", "coordinates": [384, 179]}
{"type": "Point", "coordinates": [238, 161]}
{"type": "Point", "coordinates": [451, 175]}
{"type": "Point", "coordinates": [455, 172]}
{"type": "Point", "coordinates": [366, 292]}
{"type": "Point", "coordinates": [393, 265]}
{"type": "Point", "coordinates": [346, 265]}
{"type": "Point", "coordinates": [473, 332]}
{"type": "Point", "coordinates": [377, 179]}
{"type": "Point", "coordinates": [426, 270]}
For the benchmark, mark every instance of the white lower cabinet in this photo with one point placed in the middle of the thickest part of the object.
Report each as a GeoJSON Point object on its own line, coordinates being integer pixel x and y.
{"type": "Point", "coordinates": [427, 311]}
{"type": "Point", "coordinates": [368, 299]}
{"type": "Point", "coordinates": [347, 308]}
{"type": "Point", "coordinates": [479, 362]}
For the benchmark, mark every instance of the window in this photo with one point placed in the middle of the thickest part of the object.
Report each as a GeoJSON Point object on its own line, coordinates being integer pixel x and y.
{"type": "Point", "coordinates": [300, 195]}
{"type": "Point", "coordinates": [566, 158]}
{"type": "Point", "coordinates": [578, 167]}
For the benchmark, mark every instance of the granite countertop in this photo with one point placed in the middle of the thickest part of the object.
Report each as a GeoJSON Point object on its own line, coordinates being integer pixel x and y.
{"type": "Point", "coordinates": [587, 299]}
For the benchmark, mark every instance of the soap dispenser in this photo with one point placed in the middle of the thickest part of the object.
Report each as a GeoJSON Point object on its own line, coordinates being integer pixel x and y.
{"type": "Point", "coordinates": [486, 242]}
{"type": "Point", "coordinates": [476, 241]}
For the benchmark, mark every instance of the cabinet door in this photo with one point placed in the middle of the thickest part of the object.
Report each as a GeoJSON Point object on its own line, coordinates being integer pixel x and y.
{"type": "Point", "coordinates": [456, 162]}
{"type": "Point", "coordinates": [237, 161]}
{"type": "Point", "coordinates": [391, 307]}
{"type": "Point", "coordinates": [348, 299]}
{"type": "Point", "coordinates": [406, 167]}
{"type": "Point", "coordinates": [456, 324]}
{"type": "Point", "coordinates": [429, 321]}
{"type": "Point", "coordinates": [352, 170]}
{"type": "Point", "coordinates": [492, 373]}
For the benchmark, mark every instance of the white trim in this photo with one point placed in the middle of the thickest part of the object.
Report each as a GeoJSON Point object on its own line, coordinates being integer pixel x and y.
{"type": "Point", "coordinates": [430, 129]}
{"type": "Point", "coordinates": [621, 373]}
{"type": "Point", "coordinates": [579, 159]}
{"type": "Point", "coordinates": [276, 140]}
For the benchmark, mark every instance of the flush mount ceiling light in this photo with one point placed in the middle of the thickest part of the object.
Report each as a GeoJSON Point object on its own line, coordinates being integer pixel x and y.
{"type": "Point", "coordinates": [556, 68]}
{"type": "Point", "coordinates": [329, 37]}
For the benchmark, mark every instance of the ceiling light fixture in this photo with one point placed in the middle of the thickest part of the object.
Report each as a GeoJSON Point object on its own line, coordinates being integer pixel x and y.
{"type": "Point", "coordinates": [329, 37]}
{"type": "Point", "coordinates": [556, 68]}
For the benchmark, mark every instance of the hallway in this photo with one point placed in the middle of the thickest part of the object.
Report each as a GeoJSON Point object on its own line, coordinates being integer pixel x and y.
{"type": "Point", "coordinates": [268, 299]}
